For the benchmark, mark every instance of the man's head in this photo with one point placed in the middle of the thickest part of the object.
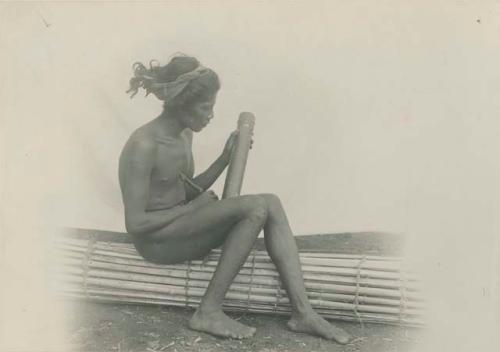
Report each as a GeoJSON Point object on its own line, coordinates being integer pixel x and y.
{"type": "Point", "coordinates": [195, 102]}
{"type": "Point", "coordinates": [187, 88]}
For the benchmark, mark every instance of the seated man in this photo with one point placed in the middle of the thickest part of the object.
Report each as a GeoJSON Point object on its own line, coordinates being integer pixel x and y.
{"type": "Point", "coordinates": [172, 221]}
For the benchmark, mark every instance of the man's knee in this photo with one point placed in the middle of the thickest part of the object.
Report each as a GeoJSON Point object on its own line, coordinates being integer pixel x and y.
{"type": "Point", "coordinates": [259, 211]}
{"type": "Point", "coordinates": [255, 207]}
{"type": "Point", "coordinates": [272, 200]}
{"type": "Point", "coordinates": [258, 215]}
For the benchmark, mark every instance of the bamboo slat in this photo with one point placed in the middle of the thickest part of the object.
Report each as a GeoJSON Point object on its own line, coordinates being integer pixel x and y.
{"type": "Point", "coordinates": [256, 289]}
{"type": "Point", "coordinates": [262, 268]}
{"type": "Point", "coordinates": [335, 283]}
{"type": "Point", "coordinates": [259, 257]}
{"type": "Point", "coordinates": [181, 293]}
{"type": "Point", "coordinates": [366, 318]}
{"type": "Point", "coordinates": [349, 287]}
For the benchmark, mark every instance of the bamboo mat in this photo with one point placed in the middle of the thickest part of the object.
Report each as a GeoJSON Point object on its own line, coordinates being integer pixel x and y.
{"type": "Point", "coordinates": [375, 289]}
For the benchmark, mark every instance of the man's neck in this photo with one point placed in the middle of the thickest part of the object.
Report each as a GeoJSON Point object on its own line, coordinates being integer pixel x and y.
{"type": "Point", "coordinates": [170, 125]}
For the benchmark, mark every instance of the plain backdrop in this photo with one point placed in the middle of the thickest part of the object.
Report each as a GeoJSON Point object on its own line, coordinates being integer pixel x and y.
{"type": "Point", "coordinates": [371, 116]}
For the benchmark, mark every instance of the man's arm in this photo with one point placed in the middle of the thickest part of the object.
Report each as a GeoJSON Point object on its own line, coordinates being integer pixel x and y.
{"type": "Point", "coordinates": [135, 174]}
{"type": "Point", "coordinates": [207, 178]}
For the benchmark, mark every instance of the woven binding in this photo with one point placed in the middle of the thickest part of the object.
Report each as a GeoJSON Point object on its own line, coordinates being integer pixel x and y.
{"type": "Point", "coordinates": [356, 296]}
{"type": "Point", "coordinates": [86, 263]}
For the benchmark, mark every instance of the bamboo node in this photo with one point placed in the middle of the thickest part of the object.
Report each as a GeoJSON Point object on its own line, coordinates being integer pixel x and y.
{"type": "Point", "coordinates": [320, 297]}
{"type": "Point", "coordinates": [356, 295]}
{"type": "Point", "coordinates": [186, 286]}
{"type": "Point", "coordinates": [278, 295]}
{"type": "Point", "coordinates": [250, 285]}
{"type": "Point", "coordinates": [403, 300]}
{"type": "Point", "coordinates": [86, 262]}
{"type": "Point", "coordinates": [205, 259]}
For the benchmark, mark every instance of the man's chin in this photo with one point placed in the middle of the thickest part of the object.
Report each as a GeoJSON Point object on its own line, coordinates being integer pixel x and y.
{"type": "Point", "coordinates": [198, 129]}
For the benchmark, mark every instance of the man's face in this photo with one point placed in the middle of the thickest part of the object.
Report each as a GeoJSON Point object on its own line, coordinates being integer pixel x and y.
{"type": "Point", "coordinates": [200, 114]}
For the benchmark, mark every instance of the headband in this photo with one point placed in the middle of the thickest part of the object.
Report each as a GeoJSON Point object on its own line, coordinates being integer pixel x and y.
{"type": "Point", "coordinates": [165, 91]}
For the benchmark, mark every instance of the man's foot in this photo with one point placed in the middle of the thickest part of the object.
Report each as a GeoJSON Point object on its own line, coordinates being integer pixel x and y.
{"type": "Point", "coordinates": [312, 323]}
{"type": "Point", "coordinates": [219, 324]}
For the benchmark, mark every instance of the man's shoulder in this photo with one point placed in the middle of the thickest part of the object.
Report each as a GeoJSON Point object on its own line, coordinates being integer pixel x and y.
{"type": "Point", "coordinates": [142, 140]}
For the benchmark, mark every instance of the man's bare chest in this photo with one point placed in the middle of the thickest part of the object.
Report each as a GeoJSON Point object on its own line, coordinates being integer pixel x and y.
{"type": "Point", "coordinates": [172, 158]}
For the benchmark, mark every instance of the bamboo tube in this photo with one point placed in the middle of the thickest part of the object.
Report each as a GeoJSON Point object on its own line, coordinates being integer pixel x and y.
{"type": "Point", "coordinates": [231, 295]}
{"type": "Point", "coordinates": [255, 308]}
{"type": "Point", "coordinates": [323, 265]}
{"type": "Point", "coordinates": [307, 263]}
{"type": "Point", "coordinates": [342, 286]}
{"type": "Point", "coordinates": [190, 298]}
{"type": "Point", "coordinates": [263, 268]}
{"type": "Point", "coordinates": [334, 275]}
{"type": "Point", "coordinates": [374, 264]}
{"type": "Point", "coordinates": [194, 301]}
{"type": "Point", "coordinates": [213, 259]}
{"type": "Point", "coordinates": [322, 281]}
{"type": "Point", "coordinates": [265, 290]}
{"type": "Point", "coordinates": [326, 283]}
{"type": "Point", "coordinates": [244, 278]}
{"type": "Point", "coordinates": [215, 253]}
{"type": "Point", "coordinates": [236, 168]}
{"type": "Point", "coordinates": [367, 318]}
{"type": "Point", "coordinates": [302, 253]}
{"type": "Point", "coordinates": [336, 288]}
{"type": "Point", "coordinates": [267, 270]}
{"type": "Point", "coordinates": [170, 292]}
{"type": "Point", "coordinates": [251, 305]}
{"type": "Point", "coordinates": [252, 299]}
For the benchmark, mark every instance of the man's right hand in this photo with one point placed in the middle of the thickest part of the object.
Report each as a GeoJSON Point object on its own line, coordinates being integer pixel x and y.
{"type": "Point", "coordinates": [205, 198]}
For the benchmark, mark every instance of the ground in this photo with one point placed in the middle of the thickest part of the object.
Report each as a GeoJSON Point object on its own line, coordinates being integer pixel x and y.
{"type": "Point", "coordinates": [106, 327]}
{"type": "Point", "coordinates": [97, 327]}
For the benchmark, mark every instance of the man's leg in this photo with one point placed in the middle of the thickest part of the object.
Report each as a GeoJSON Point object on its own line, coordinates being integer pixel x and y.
{"type": "Point", "coordinates": [282, 249]}
{"type": "Point", "coordinates": [240, 241]}
{"type": "Point", "coordinates": [247, 215]}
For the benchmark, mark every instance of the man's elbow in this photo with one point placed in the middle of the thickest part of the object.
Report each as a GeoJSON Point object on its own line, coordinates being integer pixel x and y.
{"type": "Point", "coordinates": [134, 227]}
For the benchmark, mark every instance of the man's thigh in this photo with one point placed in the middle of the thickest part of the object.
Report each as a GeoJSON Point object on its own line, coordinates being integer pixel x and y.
{"type": "Point", "coordinates": [195, 234]}
{"type": "Point", "coordinates": [209, 218]}
{"type": "Point", "coordinates": [177, 250]}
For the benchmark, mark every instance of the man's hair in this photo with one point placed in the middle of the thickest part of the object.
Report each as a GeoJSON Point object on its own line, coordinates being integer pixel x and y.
{"type": "Point", "coordinates": [199, 88]}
